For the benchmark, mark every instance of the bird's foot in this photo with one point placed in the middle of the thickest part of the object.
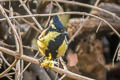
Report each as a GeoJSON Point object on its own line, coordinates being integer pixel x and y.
{"type": "Point", "coordinates": [48, 63]}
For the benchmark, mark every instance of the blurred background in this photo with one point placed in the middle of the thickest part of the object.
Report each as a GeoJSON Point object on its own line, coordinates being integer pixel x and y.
{"type": "Point", "coordinates": [93, 28]}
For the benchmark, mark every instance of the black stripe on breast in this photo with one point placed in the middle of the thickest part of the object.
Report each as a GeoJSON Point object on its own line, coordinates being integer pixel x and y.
{"type": "Point", "coordinates": [54, 45]}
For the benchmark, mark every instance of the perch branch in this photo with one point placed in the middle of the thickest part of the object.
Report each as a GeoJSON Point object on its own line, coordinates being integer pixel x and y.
{"type": "Point", "coordinates": [36, 61]}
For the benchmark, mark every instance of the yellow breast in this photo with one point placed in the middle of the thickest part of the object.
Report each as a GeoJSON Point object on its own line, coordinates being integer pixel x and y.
{"type": "Point", "coordinates": [44, 41]}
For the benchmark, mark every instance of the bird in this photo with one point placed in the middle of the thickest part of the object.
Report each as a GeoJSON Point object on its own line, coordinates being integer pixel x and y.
{"type": "Point", "coordinates": [52, 42]}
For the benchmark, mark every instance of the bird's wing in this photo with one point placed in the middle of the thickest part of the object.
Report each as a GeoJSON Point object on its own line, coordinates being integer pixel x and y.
{"type": "Point", "coordinates": [62, 49]}
{"type": "Point", "coordinates": [41, 47]}
{"type": "Point", "coordinates": [42, 34]}
{"type": "Point", "coordinates": [41, 44]}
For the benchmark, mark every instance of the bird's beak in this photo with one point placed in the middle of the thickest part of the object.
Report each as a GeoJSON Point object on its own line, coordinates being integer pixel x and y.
{"type": "Point", "coordinates": [65, 33]}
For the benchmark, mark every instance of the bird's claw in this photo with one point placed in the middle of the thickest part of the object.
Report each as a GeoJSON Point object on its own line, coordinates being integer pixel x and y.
{"type": "Point", "coordinates": [48, 63]}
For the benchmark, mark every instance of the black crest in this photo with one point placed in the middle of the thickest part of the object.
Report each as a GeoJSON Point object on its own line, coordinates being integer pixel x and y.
{"type": "Point", "coordinates": [57, 23]}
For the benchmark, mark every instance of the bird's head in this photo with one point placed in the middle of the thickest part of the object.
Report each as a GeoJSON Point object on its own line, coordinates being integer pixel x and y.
{"type": "Point", "coordinates": [58, 25]}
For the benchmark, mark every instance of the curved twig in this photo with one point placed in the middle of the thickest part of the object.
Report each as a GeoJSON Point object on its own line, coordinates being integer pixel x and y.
{"type": "Point", "coordinates": [9, 68]}
{"type": "Point", "coordinates": [5, 60]}
{"type": "Point", "coordinates": [115, 54]}
{"type": "Point", "coordinates": [88, 6]}
{"type": "Point", "coordinates": [25, 20]}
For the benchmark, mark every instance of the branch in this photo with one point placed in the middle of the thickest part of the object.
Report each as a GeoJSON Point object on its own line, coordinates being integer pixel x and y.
{"type": "Point", "coordinates": [17, 38]}
{"type": "Point", "coordinates": [9, 68]}
{"type": "Point", "coordinates": [36, 61]}
{"type": "Point", "coordinates": [82, 4]}
{"type": "Point", "coordinates": [4, 59]}
{"type": "Point", "coordinates": [25, 20]}
{"type": "Point", "coordinates": [88, 6]}
{"type": "Point", "coordinates": [78, 13]}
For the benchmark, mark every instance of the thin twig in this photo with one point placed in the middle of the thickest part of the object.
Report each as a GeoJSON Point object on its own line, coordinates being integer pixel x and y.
{"type": "Point", "coordinates": [9, 77]}
{"type": "Point", "coordinates": [63, 63]}
{"type": "Point", "coordinates": [31, 25]}
{"type": "Point", "coordinates": [5, 60]}
{"type": "Point", "coordinates": [62, 77]}
{"type": "Point", "coordinates": [53, 14]}
{"type": "Point", "coordinates": [97, 2]}
{"type": "Point", "coordinates": [25, 7]}
{"type": "Point", "coordinates": [59, 6]}
{"type": "Point", "coordinates": [20, 62]}
{"type": "Point", "coordinates": [98, 27]}
{"type": "Point", "coordinates": [116, 51]}
{"type": "Point", "coordinates": [13, 46]}
{"type": "Point", "coordinates": [9, 74]}
{"type": "Point", "coordinates": [82, 25]}
{"type": "Point", "coordinates": [51, 7]}
{"type": "Point", "coordinates": [88, 6]}
{"type": "Point", "coordinates": [77, 32]}
{"type": "Point", "coordinates": [64, 66]}
{"type": "Point", "coordinates": [25, 20]}
{"type": "Point", "coordinates": [27, 66]}
{"type": "Point", "coordinates": [9, 68]}
{"type": "Point", "coordinates": [18, 43]}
